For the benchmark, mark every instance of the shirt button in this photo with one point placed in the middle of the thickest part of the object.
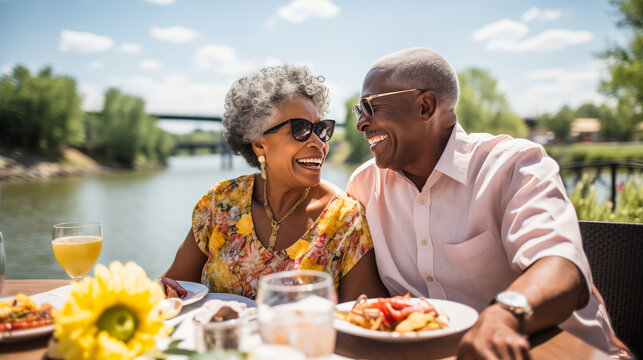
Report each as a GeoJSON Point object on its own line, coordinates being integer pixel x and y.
{"type": "Point", "coordinates": [429, 278]}
{"type": "Point", "coordinates": [422, 201]}
{"type": "Point", "coordinates": [424, 242]}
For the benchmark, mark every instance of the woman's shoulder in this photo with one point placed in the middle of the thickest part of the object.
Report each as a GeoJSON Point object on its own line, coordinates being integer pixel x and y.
{"type": "Point", "coordinates": [227, 189]}
{"type": "Point", "coordinates": [341, 203]}
{"type": "Point", "coordinates": [225, 186]}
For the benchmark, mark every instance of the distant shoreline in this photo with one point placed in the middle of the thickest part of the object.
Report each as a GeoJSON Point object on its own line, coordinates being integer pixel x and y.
{"type": "Point", "coordinates": [21, 166]}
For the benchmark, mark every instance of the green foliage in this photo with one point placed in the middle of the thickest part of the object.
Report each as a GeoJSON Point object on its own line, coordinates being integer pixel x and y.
{"type": "Point", "coordinates": [39, 112]}
{"type": "Point", "coordinates": [612, 128]}
{"type": "Point", "coordinates": [483, 108]}
{"type": "Point", "coordinates": [629, 202]}
{"type": "Point", "coordinates": [578, 152]}
{"type": "Point", "coordinates": [560, 124]}
{"type": "Point", "coordinates": [626, 70]}
{"type": "Point", "coordinates": [359, 147]}
{"type": "Point", "coordinates": [122, 131]}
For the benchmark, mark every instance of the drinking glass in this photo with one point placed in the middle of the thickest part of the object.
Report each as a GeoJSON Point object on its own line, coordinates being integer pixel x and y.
{"type": "Point", "coordinates": [297, 308]}
{"type": "Point", "coordinates": [77, 247]}
{"type": "Point", "coordinates": [1, 262]}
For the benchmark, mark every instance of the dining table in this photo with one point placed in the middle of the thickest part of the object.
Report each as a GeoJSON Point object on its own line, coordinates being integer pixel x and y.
{"type": "Point", "coordinates": [549, 344]}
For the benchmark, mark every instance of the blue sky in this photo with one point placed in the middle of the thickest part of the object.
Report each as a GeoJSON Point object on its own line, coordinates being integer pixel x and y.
{"type": "Point", "coordinates": [183, 55]}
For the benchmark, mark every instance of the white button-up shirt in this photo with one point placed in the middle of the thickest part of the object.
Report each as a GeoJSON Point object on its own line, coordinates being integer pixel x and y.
{"type": "Point", "coordinates": [492, 207]}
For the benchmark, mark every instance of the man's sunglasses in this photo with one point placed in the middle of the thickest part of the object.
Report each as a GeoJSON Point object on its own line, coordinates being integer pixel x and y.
{"type": "Point", "coordinates": [301, 129]}
{"type": "Point", "coordinates": [365, 107]}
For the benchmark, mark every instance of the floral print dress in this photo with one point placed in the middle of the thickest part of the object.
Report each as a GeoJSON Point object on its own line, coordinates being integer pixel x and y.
{"type": "Point", "coordinates": [224, 231]}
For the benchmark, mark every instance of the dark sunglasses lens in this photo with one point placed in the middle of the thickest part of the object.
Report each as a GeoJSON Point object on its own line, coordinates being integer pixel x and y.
{"type": "Point", "coordinates": [366, 108]}
{"type": "Point", "coordinates": [325, 130]}
{"type": "Point", "coordinates": [301, 129]}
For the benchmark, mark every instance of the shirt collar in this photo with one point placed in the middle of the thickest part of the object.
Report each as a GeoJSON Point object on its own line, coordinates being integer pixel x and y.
{"type": "Point", "coordinates": [455, 158]}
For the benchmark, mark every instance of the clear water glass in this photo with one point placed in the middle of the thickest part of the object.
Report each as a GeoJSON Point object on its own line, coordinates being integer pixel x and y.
{"type": "Point", "coordinates": [297, 308]}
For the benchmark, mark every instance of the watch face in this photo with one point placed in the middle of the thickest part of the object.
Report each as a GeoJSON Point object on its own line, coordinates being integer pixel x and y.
{"type": "Point", "coordinates": [512, 299]}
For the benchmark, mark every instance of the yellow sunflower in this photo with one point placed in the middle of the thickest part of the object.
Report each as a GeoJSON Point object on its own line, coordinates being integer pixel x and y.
{"type": "Point", "coordinates": [113, 315]}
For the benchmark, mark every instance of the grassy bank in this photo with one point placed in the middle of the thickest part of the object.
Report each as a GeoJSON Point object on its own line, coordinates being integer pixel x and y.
{"type": "Point", "coordinates": [584, 152]}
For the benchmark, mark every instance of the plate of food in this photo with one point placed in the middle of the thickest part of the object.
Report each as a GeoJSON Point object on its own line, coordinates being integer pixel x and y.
{"type": "Point", "coordinates": [403, 318]}
{"type": "Point", "coordinates": [23, 317]}
{"type": "Point", "coordinates": [189, 292]}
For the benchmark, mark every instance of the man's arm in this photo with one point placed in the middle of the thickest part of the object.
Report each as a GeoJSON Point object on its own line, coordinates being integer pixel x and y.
{"type": "Point", "coordinates": [553, 286]}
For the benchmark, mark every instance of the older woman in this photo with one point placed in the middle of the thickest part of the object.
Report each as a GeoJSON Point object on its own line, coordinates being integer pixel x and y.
{"type": "Point", "coordinates": [286, 217]}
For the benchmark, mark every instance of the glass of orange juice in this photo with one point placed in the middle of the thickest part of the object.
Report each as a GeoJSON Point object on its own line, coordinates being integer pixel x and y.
{"type": "Point", "coordinates": [77, 247]}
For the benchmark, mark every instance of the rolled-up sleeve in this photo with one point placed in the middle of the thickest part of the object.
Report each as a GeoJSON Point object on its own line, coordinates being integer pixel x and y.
{"type": "Point", "coordinates": [539, 220]}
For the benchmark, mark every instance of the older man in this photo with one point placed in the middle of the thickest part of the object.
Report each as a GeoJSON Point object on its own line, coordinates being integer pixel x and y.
{"type": "Point", "coordinates": [474, 218]}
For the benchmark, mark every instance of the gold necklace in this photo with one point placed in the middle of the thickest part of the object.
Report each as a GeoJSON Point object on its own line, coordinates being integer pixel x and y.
{"type": "Point", "coordinates": [274, 223]}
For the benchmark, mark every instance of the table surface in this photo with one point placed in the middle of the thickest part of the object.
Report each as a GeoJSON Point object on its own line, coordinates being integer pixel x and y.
{"type": "Point", "coordinates": [551, 344]}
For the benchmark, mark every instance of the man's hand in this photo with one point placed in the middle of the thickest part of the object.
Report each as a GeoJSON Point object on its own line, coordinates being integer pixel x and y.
{"type": "Point", "coordinates": [494, 336]}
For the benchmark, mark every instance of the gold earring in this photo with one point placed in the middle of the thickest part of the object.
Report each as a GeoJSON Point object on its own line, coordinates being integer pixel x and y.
{"type": "Point", "coordinates": [262, 163]}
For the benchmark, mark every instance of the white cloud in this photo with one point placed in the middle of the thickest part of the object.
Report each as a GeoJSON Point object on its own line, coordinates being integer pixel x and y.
{"type": "Point", "coordinates": [84, 42]}
{"type": "Point", "coordinates": [92, 97]}
{"type": "Point", "coordinates": [161, 2]}
{"type": "Point", "coordinates": [96, 64]}
{"type": "Point", "coordinates": [150, 64]}
{"type": "Point", "coordinates": [548, 40]}
{"type": "Point", "coordinates": [7, 69]}
{"type": "Point", "coordinates": [130, 48]}
{"type": "Point", "coordinates": [299, 11]}
{"type": "Point", "coordinates": [222, 59]}
{"type": "Point", "coordinates": [553, 88]}
{"type": "Point", "coordinates": [504, 29]}
{"type": "Point", "coordinates": [174, 94]}
{"type": "Point", "coordinates": [535, 13]}
{"type": "Point", "coordinates": [174, 34]}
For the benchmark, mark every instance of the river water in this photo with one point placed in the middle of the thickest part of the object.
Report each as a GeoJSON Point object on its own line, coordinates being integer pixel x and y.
{"type": "Point", "coordinates": [145, 214]}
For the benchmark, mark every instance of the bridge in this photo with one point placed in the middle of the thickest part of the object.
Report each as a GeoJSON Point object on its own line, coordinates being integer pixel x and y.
{"type": "Point", "coordinates": [214, 147]}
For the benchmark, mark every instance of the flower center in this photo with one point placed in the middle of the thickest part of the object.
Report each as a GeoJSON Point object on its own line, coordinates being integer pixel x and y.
{"type": "Point", "coordinates": [119, 321]}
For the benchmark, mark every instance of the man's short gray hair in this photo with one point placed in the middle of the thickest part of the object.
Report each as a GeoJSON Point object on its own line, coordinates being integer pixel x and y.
{"type": "Point", "coordinates": [421, 68]}
{"type": "Point", "coordinates": [252, 100]}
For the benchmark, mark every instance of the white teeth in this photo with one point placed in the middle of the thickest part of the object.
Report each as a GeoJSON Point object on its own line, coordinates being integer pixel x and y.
{"type": "Point", "coordinates": [310, 161]}
{"type": "Point", "coordinates": [376, 139]}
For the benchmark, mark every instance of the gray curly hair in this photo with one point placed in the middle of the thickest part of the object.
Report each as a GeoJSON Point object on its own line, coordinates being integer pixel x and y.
{"type": "Point", "coordinates": [252, 99]}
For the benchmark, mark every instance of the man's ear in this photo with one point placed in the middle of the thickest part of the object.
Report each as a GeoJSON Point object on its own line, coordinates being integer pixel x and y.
{"type": "Point", "coordinates": [428, 104]}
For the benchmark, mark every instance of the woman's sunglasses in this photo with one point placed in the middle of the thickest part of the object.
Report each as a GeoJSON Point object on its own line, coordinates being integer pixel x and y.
{"type": "Point", "coordinates": [301, 129]}
{"type": "Point", "coordinates": [365, 107]}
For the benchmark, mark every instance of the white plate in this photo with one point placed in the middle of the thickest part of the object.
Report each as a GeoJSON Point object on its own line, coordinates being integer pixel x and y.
{"type": "Point", "coordinates": [56, 301]}
{"type": "Point", "coordinates": [196, 292]}
{"type": "Point", "coordinates": [461, 317]}
{"type": "Point", "coordinates": [227, 297]}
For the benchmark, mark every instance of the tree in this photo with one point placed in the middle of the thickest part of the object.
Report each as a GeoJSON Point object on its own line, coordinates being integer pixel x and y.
{"type": "Point", "coordinates": [482, 108]}
{"type": "Point", "coordinates": [626, 70]}
{"type": "Point", "coordinates": [39, 112]}
{"type": "Point", "coordinates": [359, 147]}
{"type": "Point", "coordinates": [122, 131]}
{"type": "Point", "coordinates": [560, 124]}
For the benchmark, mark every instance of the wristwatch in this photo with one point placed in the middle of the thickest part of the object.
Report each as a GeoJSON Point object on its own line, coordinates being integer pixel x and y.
{"type": "Point", "coordinates": [517, 304]}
